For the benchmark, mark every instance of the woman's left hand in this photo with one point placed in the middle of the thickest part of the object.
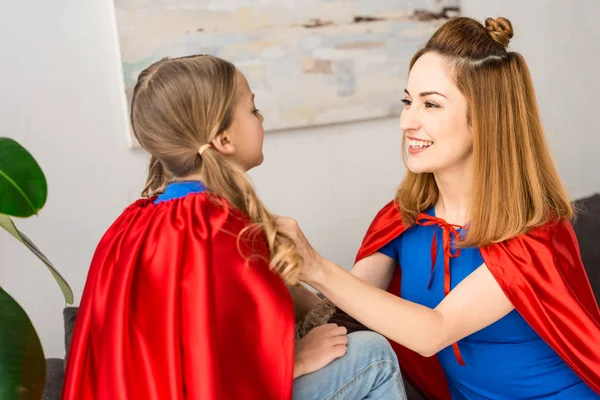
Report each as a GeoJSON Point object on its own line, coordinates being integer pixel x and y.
{"type": "Point", "coordinates": [312, 265]}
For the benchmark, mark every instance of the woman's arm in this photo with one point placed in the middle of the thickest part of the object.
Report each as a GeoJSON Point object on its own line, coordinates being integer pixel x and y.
{"type": "Point", "coordinates": [376, 270]}
{"type": "Point", "coordinates": [475, 303]}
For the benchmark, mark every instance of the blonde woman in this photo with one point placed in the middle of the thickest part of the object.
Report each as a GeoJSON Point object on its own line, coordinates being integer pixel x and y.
{"type": "Point", "coordinates": [494, 302]}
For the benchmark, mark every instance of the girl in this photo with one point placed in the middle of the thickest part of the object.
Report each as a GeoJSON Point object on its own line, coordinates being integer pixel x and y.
{"type": "Point", "coordinates": [186, 296]}
{"type": "Point", "coordinates": [492, 283]}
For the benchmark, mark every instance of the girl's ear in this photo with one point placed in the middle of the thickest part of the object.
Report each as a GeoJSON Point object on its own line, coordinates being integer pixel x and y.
{"type": "Point", "coordinates": [223, 143]}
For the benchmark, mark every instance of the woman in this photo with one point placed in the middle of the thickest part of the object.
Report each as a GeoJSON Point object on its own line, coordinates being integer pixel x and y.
{"type": "Point", "coordinates": [492, 283]}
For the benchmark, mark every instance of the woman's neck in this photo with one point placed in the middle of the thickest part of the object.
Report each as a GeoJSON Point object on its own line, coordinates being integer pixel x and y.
{"type": "Point", "coordinates": [454, 198]}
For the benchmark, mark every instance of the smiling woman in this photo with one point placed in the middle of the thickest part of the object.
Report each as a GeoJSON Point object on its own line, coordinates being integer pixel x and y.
{"type": "Point", "coordinates": [434, 116]}
{"type": "Point", "coordinates": [506, 309]}
{"type": "Point", "coordinates": [434, 121]}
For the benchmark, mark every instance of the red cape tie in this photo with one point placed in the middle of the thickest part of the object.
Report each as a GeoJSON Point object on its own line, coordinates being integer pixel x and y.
{"type": "Point", "coordinates": [450, 235]}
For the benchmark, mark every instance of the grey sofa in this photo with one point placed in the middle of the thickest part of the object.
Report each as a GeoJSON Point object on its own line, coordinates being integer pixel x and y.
{"type": "Point", "coordinates": [55, 367]}
{"type": "Point", "coordinates": [587, 229]}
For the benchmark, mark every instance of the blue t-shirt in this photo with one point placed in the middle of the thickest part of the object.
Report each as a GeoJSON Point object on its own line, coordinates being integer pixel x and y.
{"type": "Point", "coordinates": [179, 189]}
{"type": "Point", "coordinates": [506, 360]}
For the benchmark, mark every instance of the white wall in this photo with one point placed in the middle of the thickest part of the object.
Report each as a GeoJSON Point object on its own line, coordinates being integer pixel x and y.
{"type": "Point", "coordinates": [560, 41]}
{"type": "Point", "coordinates": [61, 97]}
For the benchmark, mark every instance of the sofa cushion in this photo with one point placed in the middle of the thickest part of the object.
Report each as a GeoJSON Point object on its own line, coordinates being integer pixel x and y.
{"type": "Point", "coordinates": [587, 229]}
{"type": "Point", "coordinates": [69, 317]}
{"type": "Point", "coordinates": [55, 372]}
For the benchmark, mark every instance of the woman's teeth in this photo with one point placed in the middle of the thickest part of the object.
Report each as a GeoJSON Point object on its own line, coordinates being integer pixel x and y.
{"type": "Point", "coordinates": [419, 144]}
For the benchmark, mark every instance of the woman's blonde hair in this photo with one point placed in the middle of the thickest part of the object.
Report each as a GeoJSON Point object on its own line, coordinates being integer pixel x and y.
{"type": "Point", "coordinates": [515, 183]}
{"type": "Point", "coordinates": [181, 104]}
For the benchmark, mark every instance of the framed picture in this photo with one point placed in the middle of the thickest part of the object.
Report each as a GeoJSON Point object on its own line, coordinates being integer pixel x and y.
{"type": "Point", "coordinates": [309, 62]}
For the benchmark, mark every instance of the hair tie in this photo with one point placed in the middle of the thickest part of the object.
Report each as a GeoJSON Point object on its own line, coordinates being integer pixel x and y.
{"type": "Point", "coordinates": [203, 148]}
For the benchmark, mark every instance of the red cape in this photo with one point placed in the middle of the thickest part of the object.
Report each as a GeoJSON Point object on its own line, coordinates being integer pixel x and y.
{"type": "Point", "coordinates": [541, 274]}
{"type": "Point", "coordinates": [171, 310]}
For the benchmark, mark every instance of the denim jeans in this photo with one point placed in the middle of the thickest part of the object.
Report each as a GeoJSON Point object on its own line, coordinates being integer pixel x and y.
{"type": "Point", "coordinates": [368, 370]}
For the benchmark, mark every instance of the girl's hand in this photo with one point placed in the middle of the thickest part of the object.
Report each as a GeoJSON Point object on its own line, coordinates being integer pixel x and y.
{"type": "Point", "coordinates": [318, 348]}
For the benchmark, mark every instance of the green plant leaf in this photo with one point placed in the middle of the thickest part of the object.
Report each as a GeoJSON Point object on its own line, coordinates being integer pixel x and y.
{"type": "Point", "coordinates": [23, 188]}
{"type": "Point", "coordinates": [10, 227]}
{"type": "Point", "coordinates": [22, 362]}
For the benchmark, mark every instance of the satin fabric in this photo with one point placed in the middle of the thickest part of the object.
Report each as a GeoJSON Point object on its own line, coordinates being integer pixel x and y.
{"type": "Point", "coordinates": [541, 273]}
{"type": "Point", "coordinates": [172, 310]}
{"type": "Point", "coordinates": [450, 236]}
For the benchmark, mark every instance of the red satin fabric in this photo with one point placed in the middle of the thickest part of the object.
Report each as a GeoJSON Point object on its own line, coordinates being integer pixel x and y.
{"type": "Point", "coordinates": [171, 310]}
{"type": "Point", "coordinates": [541, 274]}
{"type": "Point", "coordinates": [449, 235]}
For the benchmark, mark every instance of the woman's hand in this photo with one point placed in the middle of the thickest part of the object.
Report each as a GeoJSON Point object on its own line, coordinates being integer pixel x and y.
{"type": "Point", "coordinates": [312, 266]}
{"type": "Point", "coordinates": [318, 348]}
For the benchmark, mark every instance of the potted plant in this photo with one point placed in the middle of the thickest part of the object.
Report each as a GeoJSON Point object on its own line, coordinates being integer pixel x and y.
{"type": "Point", "coordinates": [23, 192]}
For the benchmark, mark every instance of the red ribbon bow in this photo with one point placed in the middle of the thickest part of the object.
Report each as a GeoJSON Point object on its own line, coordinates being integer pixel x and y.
{"type": "Point", "coordinates": [450, 235]}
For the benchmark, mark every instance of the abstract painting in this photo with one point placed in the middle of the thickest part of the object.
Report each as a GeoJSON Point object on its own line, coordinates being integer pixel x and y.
{"type": "Point", "coordinates": [309, 62]}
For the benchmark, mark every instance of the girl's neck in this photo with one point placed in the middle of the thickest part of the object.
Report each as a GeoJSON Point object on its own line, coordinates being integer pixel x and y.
{"type": "Point", "coordinates": [191, 177]}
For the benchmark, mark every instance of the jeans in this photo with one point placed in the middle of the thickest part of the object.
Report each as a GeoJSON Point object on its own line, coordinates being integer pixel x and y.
{"type": "Point", "coordinates": [368, 370]}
